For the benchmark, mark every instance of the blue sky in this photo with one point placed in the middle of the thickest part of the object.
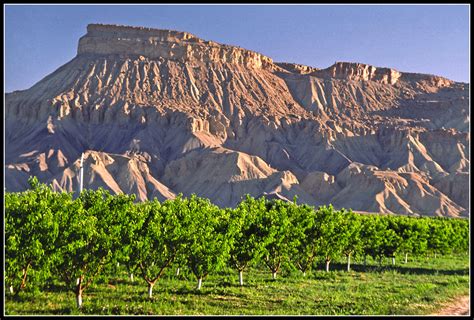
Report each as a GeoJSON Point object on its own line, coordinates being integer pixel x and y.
{"type": "Point", "coordinates": [414, 38]}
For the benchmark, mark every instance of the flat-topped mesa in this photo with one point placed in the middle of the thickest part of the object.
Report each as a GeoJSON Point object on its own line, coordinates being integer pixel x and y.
{"type": "Point", "coordinates": [104, 30]}
{"type": "Point", "coordinates": [156, 43]}
{"type": "Point", "coordinates": [360, 71]}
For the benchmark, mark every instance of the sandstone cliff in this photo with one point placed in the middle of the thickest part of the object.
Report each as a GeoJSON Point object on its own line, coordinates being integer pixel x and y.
{"type": "Point", "coordinates": [160, 112]}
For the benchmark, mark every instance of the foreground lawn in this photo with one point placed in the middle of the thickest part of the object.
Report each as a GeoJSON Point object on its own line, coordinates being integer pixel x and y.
{"type": "Point", "coordinates": [418, 287]}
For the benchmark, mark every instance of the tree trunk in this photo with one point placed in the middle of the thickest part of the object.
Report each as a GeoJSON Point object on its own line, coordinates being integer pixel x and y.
{"type": "Point", "coordinates": [23, 280]}
{"type": "Point", "coordinates": [327, 265]}
{"type": "Point", "coordinates": [79, 292]}
{"type": "Point", "coordinates": [241, 277]}
{"type": "Point", "coordinates": [348, 263]}
{"type": "Point", "coordinates": [177, 271]}
{"type": "Point", "coordinates": [199, 283]}
{"type": "Point", "coordinates": [393, 261]}
{"type": "Point", "coordinates": [406, 257]}
{"type": "Point", "coordinates": [150, 289]}
{"type": "Point", "coordinates": [79, 300]}
{"type": "Point", "coordinates": [274, 275]}
{"type": "Point", "coordinates": [11, 289]}
{"type": "Point", "coordinates": [131, 277]}
{"type": "Point", "coordinates": [304, 273]}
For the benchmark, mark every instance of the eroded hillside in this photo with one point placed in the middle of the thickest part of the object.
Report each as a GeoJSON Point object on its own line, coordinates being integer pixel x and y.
{"type": "Point", "coordinates": [161, 112]}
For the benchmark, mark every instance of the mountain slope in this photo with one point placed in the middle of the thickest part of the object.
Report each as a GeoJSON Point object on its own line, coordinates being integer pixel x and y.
{"type": "Point", "coordinates": [162, 112]}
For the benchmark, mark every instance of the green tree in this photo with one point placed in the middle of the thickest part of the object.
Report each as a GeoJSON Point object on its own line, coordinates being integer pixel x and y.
{"type": "Point", "coordinates": [131, 221]}
{"type": "Point", "coordinates": [209, 236]}
{"type": "Point", "coordinates": [350, 235]}
{"type": "Point", "coordinates": [459, 240]}
{"type": "Point", "coordinates": [330, 242]}
{"type": "Point", "coordinates": [274, 227]}
{"type": "Point", "coordinates": [419, 236]}
{"type": "Point", "coordinates": [90, 235]}
{"type": "Point", "coordinates": [372, 236]}
{"type": "Point", "coordinates": [390, 239]}
{"type": "Point", "coordinates": [30, 231]}
{"type": "Point", "coordinates": [246, 247]}
{"type": "Point", "coordinates": [439, 236]}
{"type": "Point", "coordinates": [306, 232]}
{"type": "Point", "coordinates": [159, 240]}
{"type": "Point", "coordinates": [413, 233]}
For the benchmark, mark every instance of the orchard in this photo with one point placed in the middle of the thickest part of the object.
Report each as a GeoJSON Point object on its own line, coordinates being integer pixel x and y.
{"type": "Point", "coordinates": [73, 240]}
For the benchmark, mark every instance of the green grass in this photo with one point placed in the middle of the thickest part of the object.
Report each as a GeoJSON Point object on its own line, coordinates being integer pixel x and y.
{"type": "Point", "coordinates": [419, 287]}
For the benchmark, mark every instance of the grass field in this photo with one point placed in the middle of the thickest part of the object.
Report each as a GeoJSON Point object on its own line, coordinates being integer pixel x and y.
{"type": "Point", "coordinates": [418, 287]}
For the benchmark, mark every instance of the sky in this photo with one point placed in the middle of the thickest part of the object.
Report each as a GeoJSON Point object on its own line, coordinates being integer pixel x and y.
{"type": "Point", "coordinates": [431, 39]}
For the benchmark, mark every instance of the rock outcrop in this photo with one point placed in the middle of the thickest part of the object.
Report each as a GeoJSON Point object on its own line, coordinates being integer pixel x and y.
{"type": "Point", "coordinates": [166, 44]}
{"type": "Point", "coordinates": [160, 112]}
{"type": "Point", "coordinates": [360, 72]}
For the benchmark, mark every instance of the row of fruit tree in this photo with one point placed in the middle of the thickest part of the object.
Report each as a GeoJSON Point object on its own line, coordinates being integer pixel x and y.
{"type": "Point", "coordinates": [74, 238]}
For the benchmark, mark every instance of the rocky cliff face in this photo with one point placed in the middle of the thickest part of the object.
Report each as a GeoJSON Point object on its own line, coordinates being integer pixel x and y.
{"type": "Point", "coordinates": [160, 112]}
{"type": "Point", "coordinates": [360, 72]}
{"type": "Point", "coordinates": [166, 44]}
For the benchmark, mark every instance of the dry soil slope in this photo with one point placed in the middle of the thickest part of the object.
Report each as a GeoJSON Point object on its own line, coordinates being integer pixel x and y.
{"type": "Point", "coordinates": [162, 112]}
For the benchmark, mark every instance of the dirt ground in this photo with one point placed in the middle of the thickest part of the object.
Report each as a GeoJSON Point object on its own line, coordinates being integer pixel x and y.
{"type": "Point", "coordinates": [459, 306]}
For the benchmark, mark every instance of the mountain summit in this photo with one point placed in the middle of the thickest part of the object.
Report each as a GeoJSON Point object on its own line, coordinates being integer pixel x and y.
{"type": "Point", "coordinates": [161, 112]}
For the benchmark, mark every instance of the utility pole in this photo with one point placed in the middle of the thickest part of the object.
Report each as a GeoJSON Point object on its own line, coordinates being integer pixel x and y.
{"type": "Point", "coordinates": [81, 175]}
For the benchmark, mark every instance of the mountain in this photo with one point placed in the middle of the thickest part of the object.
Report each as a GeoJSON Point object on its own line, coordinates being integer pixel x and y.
{"type": "Point", "coordinates": [161, 112]}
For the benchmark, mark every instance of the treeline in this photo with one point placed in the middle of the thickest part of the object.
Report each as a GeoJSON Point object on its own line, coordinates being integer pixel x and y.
{"type": "Point", "coordinates": [75, 239]}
